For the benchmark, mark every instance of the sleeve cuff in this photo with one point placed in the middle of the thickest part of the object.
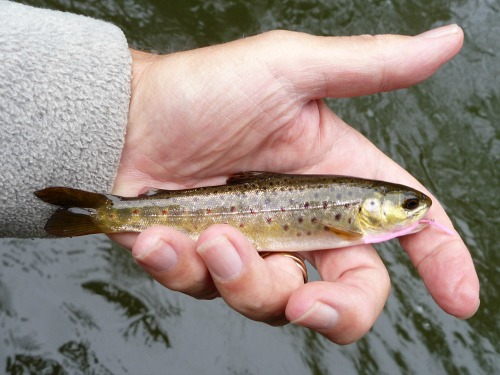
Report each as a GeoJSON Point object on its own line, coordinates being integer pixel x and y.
{"type": "Point", "coordinates": [64, 97]}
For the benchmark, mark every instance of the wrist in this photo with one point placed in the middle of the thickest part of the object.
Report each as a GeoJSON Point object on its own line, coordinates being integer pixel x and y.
{"type": "Point", "coordinates": [140, 63]}
{"type": "Point", "coordinates": [139, 91]}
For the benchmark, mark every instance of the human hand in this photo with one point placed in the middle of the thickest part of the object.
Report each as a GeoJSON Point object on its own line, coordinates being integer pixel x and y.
{"type": "Point", "coordinates": [255, 104]}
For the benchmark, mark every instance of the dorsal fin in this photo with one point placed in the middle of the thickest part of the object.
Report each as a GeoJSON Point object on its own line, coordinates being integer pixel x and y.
{"type": "Point", "coordinates": [69, 197]}
{"type": "Point", "coordinates": [151, 192]}
{"type": "Point", "coordinates": [248, 176]}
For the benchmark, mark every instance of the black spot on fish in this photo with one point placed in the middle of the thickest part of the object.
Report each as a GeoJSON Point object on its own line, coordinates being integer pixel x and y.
{"type": "Point", "coordinates": [269, 220]}
{"type": "Point", "coordinates": [233, 208]}
{"type": "Point", "coordinates": [283, 209]}
{"type": "Point", "coordinates": [306, 205]}
{"type": "Point", "coordinates": [350, 220]}
{"type": "Point", "coordinates": [300, 219]}
{"type": "Point", "coordinates": [242, 225]}
{"type": "Point", "coordinates": [325, 228]}
{"type": "Point", "coordinates": [299, 234]}
{"type": "Point", "coordinates": [325, 205]}
{"type": "Point", "coordinates": [314, 220]}
{"type": "Point", "coordinates": [338, 217]}
{"type": "Point", "coordinates": [309, 233]}
{"type": "Point", "coordinates": [286, 227]}
{"type": "Point", "coordinates": [347, 205]}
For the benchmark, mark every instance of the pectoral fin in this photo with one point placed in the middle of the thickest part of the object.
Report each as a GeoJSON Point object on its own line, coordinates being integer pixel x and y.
{"type": "Point", "coordinates": [345, 234]}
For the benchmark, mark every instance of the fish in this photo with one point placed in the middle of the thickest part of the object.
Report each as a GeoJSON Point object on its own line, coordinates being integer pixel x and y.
{"type": "Point", "coordinates": [276, 212]}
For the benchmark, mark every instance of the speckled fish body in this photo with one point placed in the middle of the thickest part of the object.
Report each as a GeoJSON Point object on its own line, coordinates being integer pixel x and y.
{"type": "Point", "coordinates": [275, 211]}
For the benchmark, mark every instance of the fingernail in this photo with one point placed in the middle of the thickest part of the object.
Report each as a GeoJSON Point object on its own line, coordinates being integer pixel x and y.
{"type": "Point", "coordinates": [439, 32]}
{"type": "Point", "coordinates": [320, 316]}
{"type": "Point", "coordinates": [156, 255]}
{"type": "Point", "coordinates": [221, 258]}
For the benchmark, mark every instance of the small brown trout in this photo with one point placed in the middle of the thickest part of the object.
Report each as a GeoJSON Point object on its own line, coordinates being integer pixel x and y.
{"type": "Point", "coordinates": [275, 211]}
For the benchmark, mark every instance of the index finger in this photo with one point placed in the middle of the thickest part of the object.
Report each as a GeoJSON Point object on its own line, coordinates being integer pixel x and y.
{"type": "Point", "coordinates": [442, 259]}
{"type": "Point", "coordinates": [445, 265]}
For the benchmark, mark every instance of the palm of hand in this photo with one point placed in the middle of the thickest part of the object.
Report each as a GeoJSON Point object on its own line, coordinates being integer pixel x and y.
{"type": "Point", "coordinates": [198, 116]}
{"type": "Point", "coordinates": [197, 132]}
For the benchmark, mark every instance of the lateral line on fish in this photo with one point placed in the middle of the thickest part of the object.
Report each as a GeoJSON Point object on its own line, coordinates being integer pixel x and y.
{"type": "Point", "coordinates": [247, 212]}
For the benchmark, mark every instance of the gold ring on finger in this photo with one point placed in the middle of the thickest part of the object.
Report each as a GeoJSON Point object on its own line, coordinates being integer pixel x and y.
{"type": "Point", "coordinates": [297, 258]}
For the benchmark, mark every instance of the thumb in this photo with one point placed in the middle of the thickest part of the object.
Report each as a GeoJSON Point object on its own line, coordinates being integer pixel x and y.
{"type": "Point", "coordinates": [320, 67]}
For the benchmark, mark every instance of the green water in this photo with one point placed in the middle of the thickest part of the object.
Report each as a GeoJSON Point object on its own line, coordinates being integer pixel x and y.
{"type": "Point", "coordinates": [81, 306]}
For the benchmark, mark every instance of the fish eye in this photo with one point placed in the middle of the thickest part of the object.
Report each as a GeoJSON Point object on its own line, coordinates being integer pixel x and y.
{"type": "Point", "coordinates": [411, 204]}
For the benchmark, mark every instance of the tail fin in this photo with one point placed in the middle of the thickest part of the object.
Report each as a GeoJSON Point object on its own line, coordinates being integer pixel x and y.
{"type": "Point", "coordinates": [64, 223]}
{"type": "Point", "coordinates": [75, 217]}
{"type": "Point", "coordinates": [68, 197]}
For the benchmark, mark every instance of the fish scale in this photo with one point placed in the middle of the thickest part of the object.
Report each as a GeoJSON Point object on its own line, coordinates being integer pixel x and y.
{"type": "Point", "coordinates": [274, 211]}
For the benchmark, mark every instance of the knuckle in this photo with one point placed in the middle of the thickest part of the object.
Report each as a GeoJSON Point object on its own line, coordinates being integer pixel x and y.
{"type": "Point", "coordinates": [277, 35]}
{"type": "Point", "coordinates": [258, 306]}
{"type": "Point", "coordinates": [261, 306]}
{"type": "Point", "coordinates": [284, 39]}
{"type": "Point", "coordinates": [380, 74]}
{"type": "Point", "coordinates": [198, 285]}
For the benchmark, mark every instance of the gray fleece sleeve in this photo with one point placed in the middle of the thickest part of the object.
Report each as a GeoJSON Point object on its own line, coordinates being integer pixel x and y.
{"type": "Point", "coordinates": [64, 97]}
